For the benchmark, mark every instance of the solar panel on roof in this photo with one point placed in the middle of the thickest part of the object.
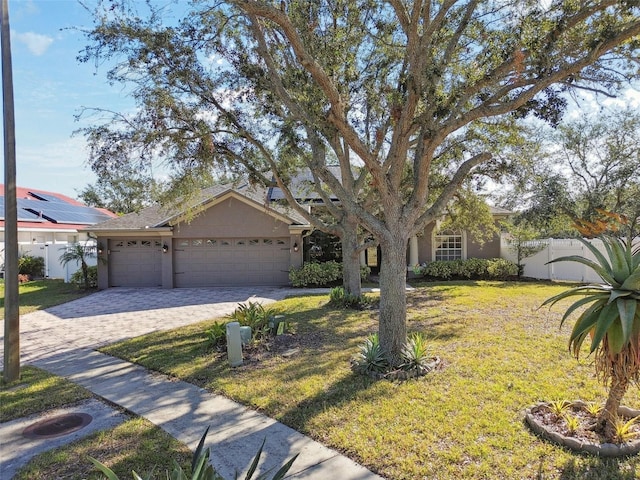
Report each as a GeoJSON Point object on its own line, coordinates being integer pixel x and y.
{"type": "Point", "coordinates": [56, 211]}
{"type": "Point", "coordinates": [23, 215]}
{"type": "Point", "coordinates": [46, 197]}
{"type": "Point", "coordinates": [66, 213]}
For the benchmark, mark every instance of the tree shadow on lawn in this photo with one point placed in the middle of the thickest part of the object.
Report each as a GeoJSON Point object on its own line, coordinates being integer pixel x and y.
{"type": "Point", "coordinates": [596, 468]}
{"type": "Point", "coordinates": [334, 395]}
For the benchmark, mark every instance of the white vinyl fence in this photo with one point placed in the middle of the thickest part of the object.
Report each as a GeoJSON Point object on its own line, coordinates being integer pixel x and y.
{"type": "Point", "coordinates": [51, 253]}
{"type": "Point", "coordinates": [537, 266]}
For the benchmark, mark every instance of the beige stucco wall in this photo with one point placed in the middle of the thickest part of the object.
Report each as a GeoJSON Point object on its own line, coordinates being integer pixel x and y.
{"type": "Point", "coordinates": [232, 218]}
{"type": "Point", "coordinates": [490, 248]}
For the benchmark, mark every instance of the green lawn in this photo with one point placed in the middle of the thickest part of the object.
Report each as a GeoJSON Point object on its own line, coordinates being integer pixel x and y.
{"type": "Point", "coordinates": [41, 294]}
{"type": "Point", "coordinates": [501, 354]}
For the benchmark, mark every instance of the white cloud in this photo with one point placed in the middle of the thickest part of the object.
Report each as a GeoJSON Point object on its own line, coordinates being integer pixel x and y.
{"type": "Point", "coordinates": [36, 43]}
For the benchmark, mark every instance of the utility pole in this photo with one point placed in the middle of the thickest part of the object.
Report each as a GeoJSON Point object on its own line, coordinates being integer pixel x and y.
{"type": "Point", "coordinates": [11, 299]}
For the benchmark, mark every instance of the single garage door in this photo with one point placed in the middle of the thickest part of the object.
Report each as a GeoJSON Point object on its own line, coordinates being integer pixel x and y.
{"type": "Point", "coordinates": [206, 262]}
{"type": "Point", "coordinates": [135, 262]}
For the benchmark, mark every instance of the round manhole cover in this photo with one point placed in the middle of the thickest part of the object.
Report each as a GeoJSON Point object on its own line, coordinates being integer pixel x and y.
{"type": "Point", "coordinates": [57, 426]}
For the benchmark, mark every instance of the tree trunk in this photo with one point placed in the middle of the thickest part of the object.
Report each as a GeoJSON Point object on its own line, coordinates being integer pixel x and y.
{"type": "Point", "coordinates": [607, 418]}
{"type": "Point", "coordinates": [393, 305]}
{"type": "Point", "coordinates": [351, 260]}
{"type": "Point", "coordinates": [85, 274]}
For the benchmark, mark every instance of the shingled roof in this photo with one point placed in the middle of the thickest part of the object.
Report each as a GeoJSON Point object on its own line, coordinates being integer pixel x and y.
{"type": "Point", "coordinates": [158, 216]}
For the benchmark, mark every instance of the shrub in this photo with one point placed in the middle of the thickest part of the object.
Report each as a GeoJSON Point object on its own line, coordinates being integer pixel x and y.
{"type": "Point", "coordinates": [365, 270]}
{"type": "Point", "coordinates": [471, 269]}
{"type": "Point", "coordinates": [92, 273]}
{"type": "Point", "coordinates": [340, 299]}
{"type": "Point", "coordinates": [316, 274]}
{"type": "Point", "coordinates": [501, 269]}
{"type": "Point", "coordinates": [254, 315]}
{"type": "Point", "coordinates": [263, 322]}
{"type": "Point", "coordinates": [32, 266]}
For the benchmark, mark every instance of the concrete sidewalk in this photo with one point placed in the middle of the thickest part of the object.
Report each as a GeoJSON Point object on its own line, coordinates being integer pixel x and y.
{"type": "Point", "coordinates": [185, 411]}
{"type": "Point", "coordinates": [62, 340]}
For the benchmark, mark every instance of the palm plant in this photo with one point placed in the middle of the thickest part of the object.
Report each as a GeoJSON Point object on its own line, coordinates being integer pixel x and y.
{"type": "Point", "coordinates": [610, 319]}
{"type": "Point", "coordinates": [79, 253]}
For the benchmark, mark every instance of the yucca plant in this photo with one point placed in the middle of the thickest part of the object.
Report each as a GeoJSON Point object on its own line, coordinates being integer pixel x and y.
{"type": "Point", "coordinates": [416, 354]}
{"type": "Point", "coordinates": [371, 357]}
{"type": "Point", "coordinates": [610, 319]}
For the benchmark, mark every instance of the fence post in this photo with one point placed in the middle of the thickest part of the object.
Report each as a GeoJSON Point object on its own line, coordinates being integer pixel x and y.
{"type": "Point", "coordinates": [549, 258]}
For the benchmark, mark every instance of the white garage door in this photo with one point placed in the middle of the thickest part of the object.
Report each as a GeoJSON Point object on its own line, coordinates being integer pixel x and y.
{"type": "Point", "coordinates": [205, 262]}
{"type": "Point", "coordinates": [135, 262]}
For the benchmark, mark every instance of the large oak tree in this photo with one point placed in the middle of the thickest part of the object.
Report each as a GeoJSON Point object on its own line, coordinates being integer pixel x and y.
{"type": "Point", "coordinates": [409, 99]}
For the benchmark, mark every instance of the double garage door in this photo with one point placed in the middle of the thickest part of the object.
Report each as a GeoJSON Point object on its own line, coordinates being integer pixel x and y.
{"type": "Point", "coordinates": [200, 262]}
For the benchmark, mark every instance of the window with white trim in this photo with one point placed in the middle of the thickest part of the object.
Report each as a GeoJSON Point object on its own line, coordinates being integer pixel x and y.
{"type": "Point", "coordinates": [448, 245]}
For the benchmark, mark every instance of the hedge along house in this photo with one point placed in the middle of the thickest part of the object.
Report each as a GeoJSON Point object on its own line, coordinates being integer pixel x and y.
{"type": "Point", "coordinates": [230, 237]}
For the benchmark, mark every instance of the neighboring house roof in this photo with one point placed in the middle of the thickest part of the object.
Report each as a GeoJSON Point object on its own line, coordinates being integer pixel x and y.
{"type": "Point", "coordinates": [159, 217]}
{"type": "Point", "coordinates": [499, 210]}
{"type": "Point", "coordinates": [302, 188]}
{"type": "Point", "coordinates": [44, 210]}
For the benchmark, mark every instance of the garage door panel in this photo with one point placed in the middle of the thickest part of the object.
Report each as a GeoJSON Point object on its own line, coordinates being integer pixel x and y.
{"type": "Point", "coordinates": [135, 263]}
{"type": "Point", "coordinates": [240, 261]}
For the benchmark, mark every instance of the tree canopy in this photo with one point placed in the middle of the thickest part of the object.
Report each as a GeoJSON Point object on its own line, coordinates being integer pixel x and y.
{"type": "Point", "coordinates": [395, 93]}
{"type": "Point", "coordinates": [122, 191]}
{"type": "Point", "coordinates": [586, 166]}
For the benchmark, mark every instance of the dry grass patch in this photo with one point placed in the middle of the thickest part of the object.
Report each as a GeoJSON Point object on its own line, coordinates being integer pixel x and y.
{"type": "Point", "coordinates": [501, 355]}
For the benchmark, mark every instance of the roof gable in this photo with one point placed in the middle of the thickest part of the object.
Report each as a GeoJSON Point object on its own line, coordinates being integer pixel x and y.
{"type": "Point", "coordinates": [157, 216]}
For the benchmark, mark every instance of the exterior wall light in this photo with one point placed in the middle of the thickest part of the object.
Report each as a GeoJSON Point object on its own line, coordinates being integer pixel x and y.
{"type": "Point", "coordinates": [295, 247]}
{"type": "Point", "coordinates": [165, 248]}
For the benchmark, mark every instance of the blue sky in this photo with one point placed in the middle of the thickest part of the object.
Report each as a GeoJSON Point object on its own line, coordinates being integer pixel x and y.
{"type": "Point", "coordinates": [51, 86]}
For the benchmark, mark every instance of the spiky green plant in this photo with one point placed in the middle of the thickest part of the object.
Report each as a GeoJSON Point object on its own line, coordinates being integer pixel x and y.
{"type": "Point", "coordinates": [201, 468]}
{"type": "Point", "coordinates": [416, 354]}
{"type": "Point", "coordinates": [611, 319]}
{"type": "Point", "coordinates": [559, 407]}
{"type": "Point", "coordinates": [254, 315]}
{"type": "Point", "coordinates": [624, 430]}
{"type": "Point", "coordinates": [572, 423]}
{"type": "Point", "coordinates": [593, 408]}
{"type": "Point", "coordinates": [371, 357]}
